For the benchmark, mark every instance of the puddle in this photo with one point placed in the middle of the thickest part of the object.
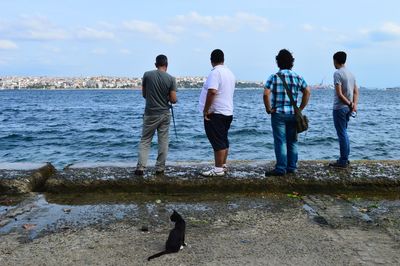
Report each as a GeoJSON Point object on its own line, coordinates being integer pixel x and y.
{"type": "Point", "coordinates": [48, 217]}
{"type": "Point", "coordinates": [47, 213]}
{"type": "Point", "coordinates": [44, 214]}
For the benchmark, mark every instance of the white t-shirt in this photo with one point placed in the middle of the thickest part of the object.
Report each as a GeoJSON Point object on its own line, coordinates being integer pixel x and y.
{"type": "Point", "coordinates": [222, 80]}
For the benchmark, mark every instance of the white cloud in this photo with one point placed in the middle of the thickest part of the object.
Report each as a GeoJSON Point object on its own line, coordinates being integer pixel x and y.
{"type": "Point", "coordinates": [150, 29]}
{"type": "Point", "coordinates": [391, 28]}
{"type": "Point", "coordinates": [203, 35]}
{"type": "Point", "coordinates": [256, 22]}
{"type": "Point", "coordinates": [39, 28]}
{"type": "Point", "coordinates": [233, 23]}
{"type": "Point", "coordinates": [94, 34]}
{"type": "Point", "coordinates": [307, 27]}
{"type": "Point", "coordinates": [99, 51]}
{"type": "Point", "coordinates": [7, 45]}
{"type": "Point", "coordinates": [388, 32]}
{"type": "Point", "coordinates": [52, 49]}
{"type": "Point", "coordinates": [212, 22]}
{"type": "Point", "coordinates": [176, 29]}
{"type": "Point", "coordinates": [125, 51]}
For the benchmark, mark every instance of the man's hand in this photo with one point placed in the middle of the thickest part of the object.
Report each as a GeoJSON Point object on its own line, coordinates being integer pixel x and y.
{"type": "Point", "coordinates": [270, 111]}
{"type": "Point", "coordinates": [353, 107]}
{"type": "Point", "coordinates": [205, 115]}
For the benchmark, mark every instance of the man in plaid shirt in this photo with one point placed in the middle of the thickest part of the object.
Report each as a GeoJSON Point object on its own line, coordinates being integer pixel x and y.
{"type": "Point", "coordinates": [283, 122]}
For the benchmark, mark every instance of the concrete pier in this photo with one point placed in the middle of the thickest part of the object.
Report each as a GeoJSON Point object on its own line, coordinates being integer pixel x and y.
{"type": "Point", "coordinates": [243, 176]}
{"type": "Point", "coordinates": [18, 178]}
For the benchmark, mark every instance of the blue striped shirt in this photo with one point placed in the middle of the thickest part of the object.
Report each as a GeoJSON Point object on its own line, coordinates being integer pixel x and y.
{"type": "Point", "coordinates": [279, 100]}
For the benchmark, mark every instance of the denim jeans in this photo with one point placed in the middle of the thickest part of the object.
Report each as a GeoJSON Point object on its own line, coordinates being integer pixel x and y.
{"type": "Point", "coordinates": [285, 142]}
{"type": "Point", "coordinates": [341, 119]}
{"type": "Point", "coordinates": [151, 123]}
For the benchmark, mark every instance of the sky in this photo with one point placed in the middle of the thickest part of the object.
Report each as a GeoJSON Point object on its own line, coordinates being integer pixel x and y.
{"type": "Point", "coordinates": [122, 38]}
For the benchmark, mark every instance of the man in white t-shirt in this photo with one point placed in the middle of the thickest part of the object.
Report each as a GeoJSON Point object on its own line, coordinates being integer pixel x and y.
{"type": "Point", "coordinates": [216, 104]}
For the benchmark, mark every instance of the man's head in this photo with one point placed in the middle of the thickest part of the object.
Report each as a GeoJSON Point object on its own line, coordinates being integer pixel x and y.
{"type": "Point", "coordinates": [339, 59]}
{"type": "Point", "coordinates": [161, 61]}
{"type": "Point", "coordinates": [217, 57]}
{"type": "Point", "coordinates": [284, 59]}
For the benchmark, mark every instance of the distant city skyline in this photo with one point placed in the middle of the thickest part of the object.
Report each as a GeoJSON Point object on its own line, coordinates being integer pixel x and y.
{"type": "Point", "coordinates": [121, 37]}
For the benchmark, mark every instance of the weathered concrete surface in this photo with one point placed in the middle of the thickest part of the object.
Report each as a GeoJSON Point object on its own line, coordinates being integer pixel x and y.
{"type": "Point", "coordinates": [24, 177]}
{"type": "Point", "coordinates": [242, 177]}
{"type": "Point", "coordinates": [263, 229]}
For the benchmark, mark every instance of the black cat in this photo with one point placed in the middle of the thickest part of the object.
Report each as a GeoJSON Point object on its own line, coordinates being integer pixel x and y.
{"type": "Point", "coordinates": [176, 238]}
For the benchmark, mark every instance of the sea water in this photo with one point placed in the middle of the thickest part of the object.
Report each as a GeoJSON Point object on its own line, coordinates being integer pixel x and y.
{"type": "Point", "coordinates": [71, 126]}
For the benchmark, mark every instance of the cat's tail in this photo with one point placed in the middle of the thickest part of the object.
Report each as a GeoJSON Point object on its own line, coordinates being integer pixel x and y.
{"type": "Point", "coordinates": [158, 255]}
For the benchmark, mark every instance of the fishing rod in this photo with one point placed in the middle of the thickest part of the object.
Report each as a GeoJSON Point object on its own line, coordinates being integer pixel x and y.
{"type": "Point", "coordinates": [173, 120]}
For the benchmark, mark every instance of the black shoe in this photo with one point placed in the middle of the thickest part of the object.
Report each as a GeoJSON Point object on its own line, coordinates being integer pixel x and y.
{"type": "Point", "coordinates": [160, 172]}
{"type": "Point", "coordinates": [291, 172]}
{"type": "Point", "coordinates": [339, 165]}
{"type": "Point", "coordinates": [139, 172]}
{"type": "Point", "coordinates": [273, 173]}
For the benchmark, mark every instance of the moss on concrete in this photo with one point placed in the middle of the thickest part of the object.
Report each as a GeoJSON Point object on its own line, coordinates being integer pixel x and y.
{"type": "Point", "coordinates": [15, 181]}
{"type": "Point", "coordinates": [312, 176]}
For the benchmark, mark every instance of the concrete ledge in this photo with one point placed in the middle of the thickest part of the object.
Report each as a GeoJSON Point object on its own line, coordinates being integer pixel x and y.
{"type": "Point", "coordinates": [18, 178]}
{"type": "Point", "coordinates": [312, 176]}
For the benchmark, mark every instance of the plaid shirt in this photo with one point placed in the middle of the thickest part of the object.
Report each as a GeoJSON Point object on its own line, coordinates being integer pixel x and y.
{"type": "Point", "coordinates": [279, 100]}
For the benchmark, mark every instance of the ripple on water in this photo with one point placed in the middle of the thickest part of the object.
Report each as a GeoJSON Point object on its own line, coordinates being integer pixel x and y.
{"type": "Point", "coordinates": [68, 126]}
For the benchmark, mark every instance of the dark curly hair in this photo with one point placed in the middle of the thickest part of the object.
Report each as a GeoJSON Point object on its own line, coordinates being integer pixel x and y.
{"type": "Point", "coordinates": [284, 59]}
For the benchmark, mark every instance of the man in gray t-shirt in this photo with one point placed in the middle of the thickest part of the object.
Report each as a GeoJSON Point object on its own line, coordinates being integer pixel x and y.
{"type": "Point", "coordinates": [159, 90]}
{"type": "Point", "coordinates": [157, 86]}
{"type": "Point", "coordinates": [345, 104]}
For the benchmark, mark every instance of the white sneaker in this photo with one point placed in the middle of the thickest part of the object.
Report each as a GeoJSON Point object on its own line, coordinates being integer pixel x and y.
{"type": "Point", "coordinates": [212, 173]}
{"type": "Point", "coordinates": [225, 168]}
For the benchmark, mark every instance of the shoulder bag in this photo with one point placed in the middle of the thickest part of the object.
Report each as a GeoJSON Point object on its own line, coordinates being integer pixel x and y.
{"type": "Point", "coordinates": [301, 120]}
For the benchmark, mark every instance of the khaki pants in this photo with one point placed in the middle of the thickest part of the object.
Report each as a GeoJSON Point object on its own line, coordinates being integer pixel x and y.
{"type": "Point", "coordinates": [151, 123]}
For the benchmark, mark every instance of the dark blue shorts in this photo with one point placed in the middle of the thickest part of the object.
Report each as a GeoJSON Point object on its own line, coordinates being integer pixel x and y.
{"type": "Point", "coordinates": [217, 130]}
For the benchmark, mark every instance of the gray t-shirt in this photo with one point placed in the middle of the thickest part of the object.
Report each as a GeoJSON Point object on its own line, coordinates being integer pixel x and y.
{"type": "Point", "coordinates": [347, 80]}
{"type": "Point", "coordinates": [157, 85]}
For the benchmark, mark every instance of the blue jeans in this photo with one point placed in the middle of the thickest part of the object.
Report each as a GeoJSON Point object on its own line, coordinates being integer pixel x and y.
{"type": "Point", "coordinates": [341, 119]}
{"type": "Point", "coordinates": [285, 142]}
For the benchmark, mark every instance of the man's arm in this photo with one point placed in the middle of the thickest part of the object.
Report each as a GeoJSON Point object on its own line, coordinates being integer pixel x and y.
{"type": "Point", "coordinates": [305, 98]}
{"type": "Point", "coordinates": [267, 100]}
{"type": "Point", "coordinates": [172, 97]}
{"type": "Point", "coordinates": [144, 86]}
{"type": "Point", "coordinates": [209, 100]}
{"type": "Point", "coordinates": [355, 98]}
{"type": "Point", "coordinates": [143, 92]}
{"type": "Point", "coordinates": [338, 88]}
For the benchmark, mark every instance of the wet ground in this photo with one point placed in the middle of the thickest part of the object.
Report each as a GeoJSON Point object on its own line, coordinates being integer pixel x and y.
{"type": "Point", "coordinates": [222, 229]}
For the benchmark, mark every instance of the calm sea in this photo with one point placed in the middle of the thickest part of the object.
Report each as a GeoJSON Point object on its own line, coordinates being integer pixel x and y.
{"type": "Point", "coordinates": [71, 126]}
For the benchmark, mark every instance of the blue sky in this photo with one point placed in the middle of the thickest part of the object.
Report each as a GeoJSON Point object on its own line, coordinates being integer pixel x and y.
{"type": "Point", "coordinates": [122, 38]}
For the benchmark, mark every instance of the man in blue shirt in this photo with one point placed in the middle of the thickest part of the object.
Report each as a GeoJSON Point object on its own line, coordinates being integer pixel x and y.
{"type": "Point", "coordinates": [283, 121]}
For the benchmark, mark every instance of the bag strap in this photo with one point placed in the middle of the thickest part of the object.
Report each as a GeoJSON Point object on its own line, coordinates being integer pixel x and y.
{"type": "Point", "coordinates": [288, 92]}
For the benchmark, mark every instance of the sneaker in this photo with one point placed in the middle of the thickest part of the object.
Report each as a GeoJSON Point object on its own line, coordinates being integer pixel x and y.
{"type": "Point", "coordinates": [212, 173]}
{"type": "Point", "coordinates": [339, 165]}
{"type": "Point", "coordinates": [225, 168]}
{"type": "Point", "coordinates": [139, 172]}
{"type": "Point", "coordinates": [160, 172]}
{"type": "Point", "coordinates": [273, 173]}
{"type": "Point", "coordinates": [291, 172]}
